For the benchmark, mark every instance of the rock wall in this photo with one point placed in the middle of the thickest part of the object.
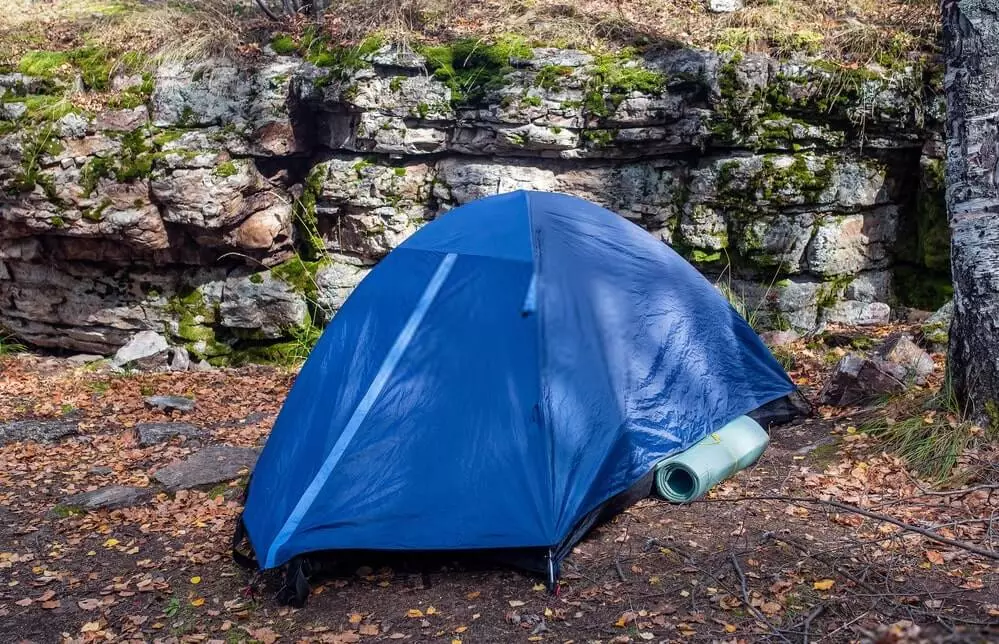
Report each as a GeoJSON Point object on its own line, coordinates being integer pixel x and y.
{"type": "Point", "coordinates": [233, 205]}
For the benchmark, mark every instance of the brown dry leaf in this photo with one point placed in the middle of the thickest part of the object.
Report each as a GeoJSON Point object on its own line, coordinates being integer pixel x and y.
{"type": "Point", "coordinates": [414, 613]}
{"type": "Point", "coordinates": [27, 601]}
{"type": "Point", "coordinates": [934, 557]}
{"type": "Point", "coordinates": [89, 604]}
{"type": "Point", "coordinates": [367, 629]}
{"type": "Point", "coordinates": [397, 636]}
{"type": "Point", "coordinates": [626, 618]}
{"type": "Point", "coordinates": [265, 635]}
{"type": "Point", "coordinates": [355, 618]}
{"type": "Point", "coordinates": [431, 610]}
{"type": "Point", "coordinates": [823, 584]}
{"type": "Point", "coordinates": [53, 603]}
{"type": "Point", "coordinates": [473, 595]}
{"type": "Point", "coordinates": [514, 603]}
{"type": "Point", "coordinates": [90, 627]}
{"type": "Point", "coordinates": [461, 629]}
{"type": "Point", "coordinates": [770, 608]}
{"type": "Point", "coordinates": [47, 595]}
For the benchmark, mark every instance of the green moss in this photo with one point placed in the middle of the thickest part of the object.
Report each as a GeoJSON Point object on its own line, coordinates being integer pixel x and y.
{"type": "Point", "coordinates": [831, 292]}
{"type": "Point", "coordinates": [700, 257]}
{"type": "Point", "coordinates": [97, 212]}
{"type": "Point", "coordinates": [57, 222]}
{"type": "Point", "coordinates": [95, 169]}
{"type": "Point", "coordinates": [399, 172]}
{"type": "Point", "coordinates": [598, 137]}
{"type": "Point", "coordinates": [300, 275]}
{"type": "Point", "coordinates": [62, 511]}
{"type": "Point", "coordinates": [471, 68]}
{"type": "Point", "coordinates": [167, 136]}
{"type": "Point", "coordinates": [283, 44]}
{"type": "Point", "coordinates": [225, 169]}
{"type": "Point", "coordinates": [550, 76]}
{"type": "Point", "coordinates": [614, 77]}
{"type": "Point", "coordinates": [396, 83]}
{"type": "Point", "coordinates": [778, 184]}
{"type": "Point", "coordinates": [256, 278]}
{"type": "Point", "coordinates": [805, 41]}
{"type": "Point", "coordinates": [96, 65]}
{"type": "Point", "coordinates": [135, 160]}
{"type": "Point", "coordinates": [423, 109]}
{"type": "Point", "coordinates": [306, 220]}
{"type": "Point", "coordinates": [43, 64]}
{"type": "Point", "coordinates": [531, 101]}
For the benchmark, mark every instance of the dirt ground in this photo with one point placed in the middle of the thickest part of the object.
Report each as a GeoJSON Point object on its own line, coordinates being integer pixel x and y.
{"type": "Point", "coordinates": [734, 567]}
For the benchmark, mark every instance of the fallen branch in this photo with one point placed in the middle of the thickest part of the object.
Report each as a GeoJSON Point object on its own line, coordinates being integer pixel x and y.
{"type": "Point", "coordinates": [745, 598]}
{"type": "Point", "coordinates": [963, 545]}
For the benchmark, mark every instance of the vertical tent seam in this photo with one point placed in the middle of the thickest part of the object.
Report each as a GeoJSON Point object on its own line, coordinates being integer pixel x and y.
{"type": "Point", "coordinates": [536, 283]}
{"type": "Point", "coordinates": [360, 412]}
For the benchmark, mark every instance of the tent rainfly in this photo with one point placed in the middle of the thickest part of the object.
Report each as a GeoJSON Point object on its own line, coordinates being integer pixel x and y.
{"type": "Point", "coordinates": [503, 380]}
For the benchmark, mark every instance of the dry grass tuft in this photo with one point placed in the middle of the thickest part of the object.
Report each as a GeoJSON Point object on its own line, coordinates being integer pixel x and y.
{"type": "Point", "coordinates": [850, 30]}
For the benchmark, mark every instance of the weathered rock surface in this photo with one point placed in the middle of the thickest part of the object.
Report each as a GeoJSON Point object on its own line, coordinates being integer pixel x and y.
{"type": "Point", "coordinates": [249, 198]}
{"type": "Point", "coordinates": [170, 403]}
{"type": "Point", "coordinates": [936, 328]}
{"type": "Point", "coordinates": [110, 498]}
{"type": "Point", "coordinates": [208, 466]}
{"type": "Point", "coordinates": [901, 350]}
{"type": "Point", "coordinates": [857, 379]}
{"type": "Point", "coordinates": [41, 431]}
{"type": "Point", "coordinates": [146, 349]}
{"type": "Point", "coordinates": [154, 433]}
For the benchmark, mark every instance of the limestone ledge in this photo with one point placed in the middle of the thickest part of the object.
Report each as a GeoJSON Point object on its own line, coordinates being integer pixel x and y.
{"type": "Point", "coordinates": [238, 204]}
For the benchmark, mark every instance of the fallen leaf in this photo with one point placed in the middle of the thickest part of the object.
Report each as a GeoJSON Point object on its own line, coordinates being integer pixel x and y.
{"type": "Point", "coordinates": [414, 613]}
{"type": "Point", "coordinates": [195, 580]}
{"type": "Point", "coordinates": [90, 627]}
{"type": "Point", "coordinates": [198, 601]}
{"type": "Point", "coordinates": [729, 628]}
{"type": "Point", "coordinates": [367, 629]}
{"type": "Point", "coordinates": [111, 543]}
{"type": "Point", "coordinates": [771, 608]}
{"type": "Point", "coordinates": [355, 618]}
{"type": "Point", "coordinates": [514, 603]}
{"type": "Point", "coordinates": [461, 629]}
{"type": "Point", "coordinates": [473, 595]}
{"type": "Point", "coordinates": [264, 635]}
{"type": "Point", "coordinates": [431, 610]}
{"type": "Point", "coordinates": [626, 618]}
{"type": "Point", "coordinates": [49, 605]}
{"type": "Point", "coordinates": [538, 587]}
{"type": "Point", "coordinates": [397, 636]}
{"type": "Point", "coordinates": [27, 601]}
{"type": "Point", "coordinates": [934, 557]}
{"type": "Point", "coordinates": [47, 595]}
{"type": "Point", "coordinates": [823, 584]}
{"type": "Point", "coordinates": [89, 604]}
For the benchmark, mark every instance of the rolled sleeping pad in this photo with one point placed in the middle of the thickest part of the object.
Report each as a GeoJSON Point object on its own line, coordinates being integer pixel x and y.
{"type": "Point", "coordinates": [686, 476]}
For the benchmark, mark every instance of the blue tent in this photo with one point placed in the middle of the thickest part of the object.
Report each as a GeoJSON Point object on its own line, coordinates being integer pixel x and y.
{"type": "Point", "coordinates": [496, 382]}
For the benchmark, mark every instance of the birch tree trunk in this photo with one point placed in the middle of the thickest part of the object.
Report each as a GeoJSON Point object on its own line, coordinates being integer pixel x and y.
{"type": "Point", "coordinates": [971, 84]}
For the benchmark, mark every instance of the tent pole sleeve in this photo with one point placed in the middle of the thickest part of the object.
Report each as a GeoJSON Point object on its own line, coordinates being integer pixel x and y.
{"type": "Point", "coordinates": [381, 378]}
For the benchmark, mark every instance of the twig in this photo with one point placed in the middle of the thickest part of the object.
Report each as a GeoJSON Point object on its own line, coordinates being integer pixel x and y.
{"type": "Point", "coordinates": [818, 610]}
{"type": "Point", "coordinates": [963, 545]}
{"type": "Point", "coordinates": [620, 573]}
{"type": "Point", "coordinates": [745, 598]}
